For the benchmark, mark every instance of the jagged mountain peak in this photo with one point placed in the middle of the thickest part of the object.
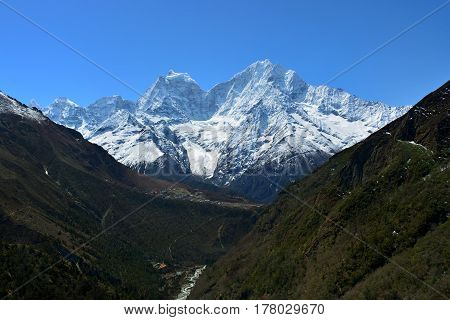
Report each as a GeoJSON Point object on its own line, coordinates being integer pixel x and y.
{"type": "Point", "coordinates": [179, 76]}
{"type": "Point", "coordinates": [261, 70]}
{"type": "Point", "coordinates": [174, 79]}
{"type": "Point", "coordinates": [265, 116]}
{"type": "Point", "coordinates": [276, 74]}
{"type": "Point", "coordinates": [65, 111]}
{"type": "Point", "coordinates": [105, 107]}
{"type": "Point", "coordinates": [263, 64]}
{"type": "Point", "coordinates": [175, 96]}
{"type": "Point", "coordinates": [64, 100]}
{"type": "Point", "coordinates": [263, 85]}
{"type": "Point", "coordinates": [108, 100]}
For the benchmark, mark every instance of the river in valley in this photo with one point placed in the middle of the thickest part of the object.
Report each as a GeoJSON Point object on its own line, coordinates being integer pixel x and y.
{"type": "Point", "coordinates": [189, 282]}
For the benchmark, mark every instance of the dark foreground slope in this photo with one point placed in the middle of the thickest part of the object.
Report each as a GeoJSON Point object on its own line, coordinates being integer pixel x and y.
{"type": "Point", "coordinates": [59, 192]}
{"type": "Point", "coordinates": [372, 223]}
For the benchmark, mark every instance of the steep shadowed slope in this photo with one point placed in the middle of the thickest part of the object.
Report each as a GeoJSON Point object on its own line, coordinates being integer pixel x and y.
{"type": "Point", "coordinates": [58, 192]}
{"type": "Point", "coordinates": [370, 223]}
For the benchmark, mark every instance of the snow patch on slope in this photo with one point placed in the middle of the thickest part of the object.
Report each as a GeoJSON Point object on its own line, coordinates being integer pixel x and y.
{"type": "Point", "coordinates": [202, 162]}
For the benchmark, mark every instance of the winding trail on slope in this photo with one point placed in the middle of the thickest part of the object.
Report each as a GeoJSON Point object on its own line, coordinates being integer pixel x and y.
{"type": "Point", "coordinates": [105, 215]}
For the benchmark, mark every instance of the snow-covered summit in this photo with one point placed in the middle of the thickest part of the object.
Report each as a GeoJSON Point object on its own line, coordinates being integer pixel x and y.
{"type": "Point", "coordinates": [261, 80]}
{"type": "Point", "coordinates": [180, 76]}
{"type": "Point", "coordinates": [176, 97]}
{"type": "Point", "coordinates": [66, 112]}
{"type": "Point", "coordinates": [265, 120]}
{"type": "Point", "coordinates": [105, 107]}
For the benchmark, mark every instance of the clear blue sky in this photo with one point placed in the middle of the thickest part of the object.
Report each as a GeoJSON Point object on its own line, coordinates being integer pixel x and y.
{"type": "Point", "coordinates": [212, 40]}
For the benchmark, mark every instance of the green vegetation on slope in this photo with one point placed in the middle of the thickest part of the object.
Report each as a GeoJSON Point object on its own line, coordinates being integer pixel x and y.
{"type": "Point", "coordinates": [58, 192]}
{"type": "Point", "coordinates": [343, 231]}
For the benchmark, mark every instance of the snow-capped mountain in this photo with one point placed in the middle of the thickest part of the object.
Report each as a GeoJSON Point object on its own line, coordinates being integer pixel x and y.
{"type": "Point", "coordinates": [264, 124]}
{"type": "Point", "coordinates": [176, 98]}
{"type": "Point", "coordinates": [105, 107]}
{"type": "Point", "coordinates": [85, 120]}
{"type": "Point", "coordinates": [66, 112]}
{"type": "Point", "coordinates": [10, 105]}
